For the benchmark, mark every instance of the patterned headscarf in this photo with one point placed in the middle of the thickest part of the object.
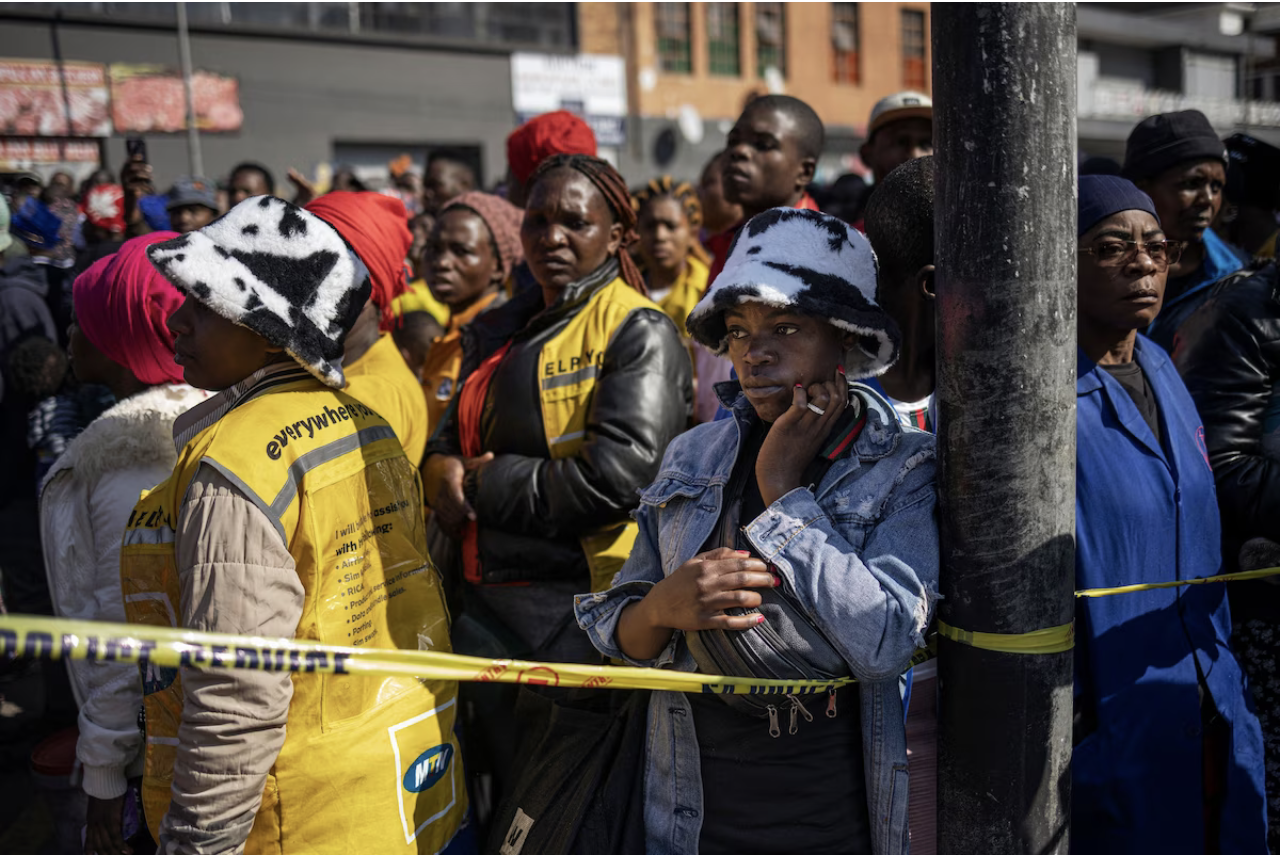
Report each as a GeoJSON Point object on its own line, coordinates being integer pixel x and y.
{"type": "Point", "coordinates": [503, 220]}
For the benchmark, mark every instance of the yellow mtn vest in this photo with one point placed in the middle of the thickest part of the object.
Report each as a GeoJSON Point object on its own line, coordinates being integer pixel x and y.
{"type": "Point", "coordinates": [568, 368]}
{"type": "Point", "coordinates": [369, 764]}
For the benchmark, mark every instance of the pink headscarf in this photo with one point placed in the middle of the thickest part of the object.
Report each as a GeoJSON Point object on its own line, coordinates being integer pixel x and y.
{"type": "Point", "coordinates": [122, 303]}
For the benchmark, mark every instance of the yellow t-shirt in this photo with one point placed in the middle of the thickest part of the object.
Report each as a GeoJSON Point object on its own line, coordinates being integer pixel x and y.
{"type": "Point", "coordinates": [420, 299]}
{"type": "Point", "coordinates": [382, 380]}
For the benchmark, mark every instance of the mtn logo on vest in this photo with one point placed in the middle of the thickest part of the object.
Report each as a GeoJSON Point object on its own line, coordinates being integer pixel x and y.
{"type": "Point", "coordinates": [428, 769]}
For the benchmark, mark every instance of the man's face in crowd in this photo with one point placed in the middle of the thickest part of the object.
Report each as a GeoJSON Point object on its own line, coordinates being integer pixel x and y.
{"type": "Point", "coordinates": [188, 218]}
{"type": "Point", "coordinates": [718, 214]}
{"type": "Point", "coordinates": [247, 183]}
{"type": "Point", "coordinates": [213, 352]}
{"type": "Point", "coordinates": [896, 143]}
{"type": "Point", "coordinates": [763, 164]}
{"type": "Point", "coordinates": [445, 180]}
{"type": "Point", "coordinates": [1119, 289]}
{"type": "Point", "coordinates": [1187, 197]}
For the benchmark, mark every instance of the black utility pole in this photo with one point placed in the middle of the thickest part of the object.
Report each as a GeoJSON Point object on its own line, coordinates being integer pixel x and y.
{"type": "Point", "coordinates": [1005, 141]}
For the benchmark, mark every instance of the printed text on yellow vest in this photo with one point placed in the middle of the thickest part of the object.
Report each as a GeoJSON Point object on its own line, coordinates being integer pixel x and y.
{"type": "Point", "coordinates": [569, 367]}
{"type": "Point", "coordinates": [369, 764]}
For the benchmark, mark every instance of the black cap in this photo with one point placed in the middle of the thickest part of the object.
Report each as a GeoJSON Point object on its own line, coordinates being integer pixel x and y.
{"type": "Point", "coordinates": [1159, 142]}
{"type": "Point", "coordinates": [1253, 172]}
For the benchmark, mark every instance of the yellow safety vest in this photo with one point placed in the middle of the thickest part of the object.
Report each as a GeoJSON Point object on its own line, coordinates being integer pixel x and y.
{"type": "Point", "coordinates": [568, 368]}
{"type": "Point", "coordinates": [685, 294]}
{"type": "Point", "coordinates": [369, 764]}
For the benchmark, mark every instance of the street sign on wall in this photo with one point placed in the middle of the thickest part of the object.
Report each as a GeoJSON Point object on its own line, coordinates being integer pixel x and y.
{"type": "Point", "coordinates": [593, 86]}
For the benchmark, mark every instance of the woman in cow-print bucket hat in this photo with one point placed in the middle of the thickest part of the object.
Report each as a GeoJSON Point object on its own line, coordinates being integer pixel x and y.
{"type": "Point", "coordinates": [795, 541]}
{"type": "Point", "coordinates": [813, 264]}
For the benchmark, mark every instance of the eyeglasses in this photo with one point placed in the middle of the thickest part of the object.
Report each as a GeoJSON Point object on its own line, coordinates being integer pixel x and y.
{"type": "Point", "coordinates": [1117, 253]}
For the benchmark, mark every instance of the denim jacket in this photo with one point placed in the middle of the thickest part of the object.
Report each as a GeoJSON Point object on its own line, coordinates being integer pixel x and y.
{"type": "Point", "coordinates": [861, 557]}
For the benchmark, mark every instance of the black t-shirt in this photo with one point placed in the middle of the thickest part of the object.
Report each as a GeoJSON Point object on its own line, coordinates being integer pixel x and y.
{"type": "Point", "coordinates": [1134, 381]}
{"type": "Point", "coordinates": [794, 793]}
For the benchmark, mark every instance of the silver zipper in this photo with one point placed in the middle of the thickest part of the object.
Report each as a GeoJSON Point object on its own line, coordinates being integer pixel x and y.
{"type": "Point", "coordinates": [797, 707]}
{"type": "Point", "coordinates": [774, 730]}
{"type": "Point", "coordinates": [831, 703]}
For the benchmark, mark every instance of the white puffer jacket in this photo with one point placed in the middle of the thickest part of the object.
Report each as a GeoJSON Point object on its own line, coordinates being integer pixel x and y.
{"type": "Point", "coordinates": [84, 506]}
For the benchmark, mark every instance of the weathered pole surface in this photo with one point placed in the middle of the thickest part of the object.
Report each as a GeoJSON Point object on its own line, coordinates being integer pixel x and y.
{"type": "Point", "coordinates": [1005, 140]}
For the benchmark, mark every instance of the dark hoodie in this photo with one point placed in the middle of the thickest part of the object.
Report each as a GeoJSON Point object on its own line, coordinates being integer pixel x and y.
{"type": "Point", "coordinates": [23, 310]}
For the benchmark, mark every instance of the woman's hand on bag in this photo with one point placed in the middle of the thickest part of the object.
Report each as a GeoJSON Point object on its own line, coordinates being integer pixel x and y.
{"type": "Point", "coordinates": [797, 436]}
{"type": "Point", "coordinates": [442, 477]}
{"type": "Point", "coordinates": [695, 597]}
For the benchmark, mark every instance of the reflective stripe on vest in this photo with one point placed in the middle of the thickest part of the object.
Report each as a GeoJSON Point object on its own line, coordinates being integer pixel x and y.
{"type": "Point", "coordinates": [369, 764]}
{"type": "Point", "coordinates": [568, 368]}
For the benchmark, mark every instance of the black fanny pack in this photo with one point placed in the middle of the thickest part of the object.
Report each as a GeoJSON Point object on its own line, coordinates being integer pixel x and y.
{"type": "Point", "coordinates": [786, 646]}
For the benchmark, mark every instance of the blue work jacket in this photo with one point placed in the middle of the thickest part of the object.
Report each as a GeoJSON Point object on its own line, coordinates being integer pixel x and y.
{"type": "Point", "coordinates": [1146, 512]}
{"type": "Point", "coordinates": [859, 553]}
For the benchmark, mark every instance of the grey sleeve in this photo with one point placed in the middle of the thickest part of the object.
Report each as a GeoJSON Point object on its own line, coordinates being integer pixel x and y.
{"type": "Point", "coordinates": [235, 576]}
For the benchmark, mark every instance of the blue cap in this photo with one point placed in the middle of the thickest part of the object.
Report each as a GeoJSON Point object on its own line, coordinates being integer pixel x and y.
{"type": "Point", "coordinates": [1100, 196]}
{"type": "Point", "coordinates": [36, 226]}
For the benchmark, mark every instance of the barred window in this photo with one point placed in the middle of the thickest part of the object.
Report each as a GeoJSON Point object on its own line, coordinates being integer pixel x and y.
{"type": "Point", "coordinates": [722, 39]}
{"type": "Point", "coordinates": [845, 42]}
{"type": "Point", "coordinates": [672, 23]}
{"type": "Point", "coordinates": [913, 67]}
{"type": "Point", "coordinates": [771, 37]}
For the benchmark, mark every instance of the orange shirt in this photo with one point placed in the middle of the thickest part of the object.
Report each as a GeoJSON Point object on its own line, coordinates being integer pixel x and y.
{"type": "Point", "coordinates": [444, 360]}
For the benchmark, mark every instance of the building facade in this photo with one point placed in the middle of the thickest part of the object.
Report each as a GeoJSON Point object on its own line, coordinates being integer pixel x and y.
{"type": "Point", "coordinates": [692, 66]}
{"type": "Point", "coordinates": [1138, 59]}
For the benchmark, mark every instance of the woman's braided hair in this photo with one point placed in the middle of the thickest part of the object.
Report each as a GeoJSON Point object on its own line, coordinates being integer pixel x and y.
{"type": "Point", "coordinates": [686, 196]}
{"type": "Point", "coordinates": [614, 190]}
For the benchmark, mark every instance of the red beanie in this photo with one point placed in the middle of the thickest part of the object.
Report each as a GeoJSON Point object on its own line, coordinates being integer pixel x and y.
{"type": "Point", "coordinates": [122, 303]}
{"type": "Point", "coordinates": [558, 133]}
{"type": "Point", "coordinates": [377, 228]}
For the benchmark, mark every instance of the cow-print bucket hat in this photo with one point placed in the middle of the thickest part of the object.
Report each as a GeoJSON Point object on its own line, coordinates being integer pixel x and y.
{"type": "Point", "coordinates": [278, 270]}
{"type": "Point", "coordinates": [809, 262]}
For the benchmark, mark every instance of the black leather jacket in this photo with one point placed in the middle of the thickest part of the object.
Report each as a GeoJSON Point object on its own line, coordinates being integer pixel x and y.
{"type": "Point", "coordinates": [532, 509]}
{"type": "Point", "coordinates": [1229, 357]}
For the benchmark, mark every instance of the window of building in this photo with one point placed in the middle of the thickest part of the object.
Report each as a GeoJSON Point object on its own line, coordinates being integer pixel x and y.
{"type": "Point", "coordinates": [771, 38]}
{"type": "Point", "coordinates": [845, 42]}
{"type": "Point", "coordinates": [722, 39]}
{"type": "Point", "coordinates": [672, 23]}
{"type": "Point", "coordinates": [913, 68]}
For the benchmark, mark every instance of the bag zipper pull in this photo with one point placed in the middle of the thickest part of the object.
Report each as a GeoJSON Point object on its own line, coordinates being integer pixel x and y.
{"type": "Point", "coordinates": [831, 703]}
{"type": "Point", "coordinates": [774, 731]}
{"type": "Point", "coordinates": [797, 707]}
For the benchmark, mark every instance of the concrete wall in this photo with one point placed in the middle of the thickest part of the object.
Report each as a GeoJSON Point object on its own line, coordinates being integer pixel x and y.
{"type": "Point", "coordinates": [300, 97]}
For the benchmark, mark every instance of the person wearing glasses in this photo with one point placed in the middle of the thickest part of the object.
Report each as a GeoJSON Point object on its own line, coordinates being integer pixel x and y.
{"type": "Point", "coordinates": [1168, 752]}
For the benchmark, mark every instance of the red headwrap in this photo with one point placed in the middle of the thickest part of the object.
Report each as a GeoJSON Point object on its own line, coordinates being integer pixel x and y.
{"type": "Point", "coordinates": [377, 228]}
{"type": "Point", "coordinates": [558, 133]}
{"type": "Point", "coordinates": [122, 303]}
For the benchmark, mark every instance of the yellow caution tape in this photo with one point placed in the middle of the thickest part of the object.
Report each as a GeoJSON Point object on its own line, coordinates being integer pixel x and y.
{"type": "Point", "coordinates": [1220, 578]}
{"type": "Point", "coordinates": [55, 638]}
{"type": "Point", "coordinates": [1051, 640]}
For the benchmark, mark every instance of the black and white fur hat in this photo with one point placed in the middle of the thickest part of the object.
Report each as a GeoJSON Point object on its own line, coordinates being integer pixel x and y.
{"type": "Point", "coordinates": [788, 257]}
{"type": "Point", "coordinates": [278, 270]}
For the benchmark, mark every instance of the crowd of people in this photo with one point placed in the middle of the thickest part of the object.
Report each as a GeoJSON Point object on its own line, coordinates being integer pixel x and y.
{"type": "Point", "coordinates": [687, 424]}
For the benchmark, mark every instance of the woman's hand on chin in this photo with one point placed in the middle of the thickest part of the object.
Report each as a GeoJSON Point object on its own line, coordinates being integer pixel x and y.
{"type": "Point", "coordinates": [797, 436]}
{"type": "Point", "coordinates": [442, 477]}
{"type": "Point", "coordinates": [695, 597]}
